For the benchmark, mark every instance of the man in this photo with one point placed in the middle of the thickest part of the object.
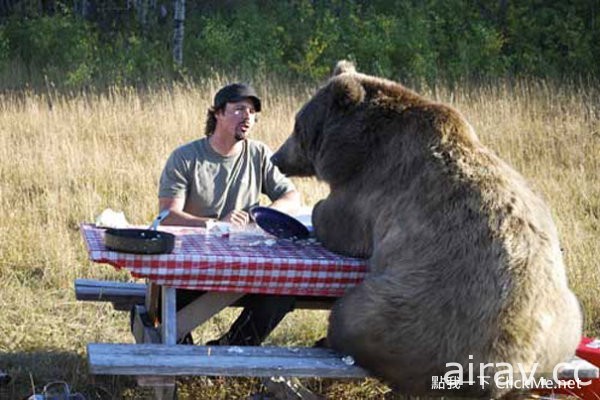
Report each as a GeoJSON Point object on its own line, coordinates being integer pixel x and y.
{"type": "Point", "coordinates": [220, 177]}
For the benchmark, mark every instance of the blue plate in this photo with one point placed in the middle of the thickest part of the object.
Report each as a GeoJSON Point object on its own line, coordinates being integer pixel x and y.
{"type": "Point", "coordinates": [278, 224]}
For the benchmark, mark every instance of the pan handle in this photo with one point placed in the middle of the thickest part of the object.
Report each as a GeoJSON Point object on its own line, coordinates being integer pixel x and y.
{"type": "Point", "coordinates": [162, 215]}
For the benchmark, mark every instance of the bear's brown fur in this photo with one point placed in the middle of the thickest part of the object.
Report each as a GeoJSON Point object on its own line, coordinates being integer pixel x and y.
{"type": "Point", "coordinates": [465, 263]}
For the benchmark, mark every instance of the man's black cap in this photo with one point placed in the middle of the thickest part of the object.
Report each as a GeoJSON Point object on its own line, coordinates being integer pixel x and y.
{"type": "Point", "coordinates": [236, 92]}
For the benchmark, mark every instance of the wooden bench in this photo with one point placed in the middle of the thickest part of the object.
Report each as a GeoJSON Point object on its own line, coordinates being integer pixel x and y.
{"type": "Point", "coordinates": [254, 361]}
{"type": "Point", "coordinates": [157, 365]}
{"type": "Point", "coordinates": [124, 295]}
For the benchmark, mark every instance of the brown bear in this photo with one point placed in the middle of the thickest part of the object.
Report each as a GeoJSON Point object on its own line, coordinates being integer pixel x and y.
{"type": "Point", "coordinates": [466, 278]}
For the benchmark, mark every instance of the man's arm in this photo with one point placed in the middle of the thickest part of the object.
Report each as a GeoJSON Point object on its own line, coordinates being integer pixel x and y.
{"type": "Point", "coordinates": [288, 203]}
{"type": "Point", "coordinates": [177, 216]}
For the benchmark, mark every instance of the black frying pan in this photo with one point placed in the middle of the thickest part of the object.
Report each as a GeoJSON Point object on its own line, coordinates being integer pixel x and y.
{"type": "Point", "coordinates": [140, 241]}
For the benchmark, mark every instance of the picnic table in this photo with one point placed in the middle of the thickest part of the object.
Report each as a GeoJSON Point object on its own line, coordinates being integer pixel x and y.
{"type": "Point", "coordinates": [226, 267]}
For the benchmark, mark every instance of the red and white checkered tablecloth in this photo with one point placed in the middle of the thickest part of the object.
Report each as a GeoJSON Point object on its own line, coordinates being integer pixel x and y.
{"type": "Point", "coordinates": [236, 264]}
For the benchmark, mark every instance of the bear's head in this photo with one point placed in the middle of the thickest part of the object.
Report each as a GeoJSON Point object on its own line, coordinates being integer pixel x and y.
{"type": "Point", "coordinates": [326, 140]}
{"type": "Point", "coordinates": [357, 122]}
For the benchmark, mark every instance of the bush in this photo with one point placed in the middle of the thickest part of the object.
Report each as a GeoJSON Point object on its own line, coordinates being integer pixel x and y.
{"type": "Point", "coordinates": [59, 47]}
{"type": "Point", "coordinates": [244, 40]}
{"type": "Point", "coordinates": [429, 40]}
{"type": "Point", "coordinates": [553, 39]}
{"type": "Point", "coordinates": [131, 59]}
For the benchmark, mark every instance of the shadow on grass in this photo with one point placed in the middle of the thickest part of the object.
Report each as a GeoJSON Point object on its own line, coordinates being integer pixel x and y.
{"type": "Point", "coordinates": [30, 371]}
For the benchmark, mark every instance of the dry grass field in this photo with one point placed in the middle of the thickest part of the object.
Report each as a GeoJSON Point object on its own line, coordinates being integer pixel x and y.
{"type": "Point", "coordinates": [65, 158]}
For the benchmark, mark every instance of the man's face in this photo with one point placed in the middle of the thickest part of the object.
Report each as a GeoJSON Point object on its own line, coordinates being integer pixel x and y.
{"type": "Point", "coordinates": [236, 119]}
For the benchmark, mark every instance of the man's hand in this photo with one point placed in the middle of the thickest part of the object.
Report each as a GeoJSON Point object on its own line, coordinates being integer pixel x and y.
{"type": "Point", "coordinates": [179, 217]}
{"type": "Point", "coordinates": [237, 217]}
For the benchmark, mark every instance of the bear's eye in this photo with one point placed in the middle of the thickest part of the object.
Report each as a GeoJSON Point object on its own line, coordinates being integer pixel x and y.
{"type": "Point", "coordinates": [302, 138]}
{"type": "Point", "coordinates": [310, 137]}
{"type": "Point", "coordinates": [300, 131]}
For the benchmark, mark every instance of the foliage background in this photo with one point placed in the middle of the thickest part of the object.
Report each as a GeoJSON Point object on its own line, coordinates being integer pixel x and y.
{"type": "Point", "coordinates": [113, 42]}
{"type": "Point", "coordinates": [91, 105]}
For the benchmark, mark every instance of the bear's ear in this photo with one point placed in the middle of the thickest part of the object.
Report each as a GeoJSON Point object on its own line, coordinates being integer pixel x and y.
{"type": "Point", "coordinates": [346, 91]}
{"type": "Point", "coordinates": [344, 66]}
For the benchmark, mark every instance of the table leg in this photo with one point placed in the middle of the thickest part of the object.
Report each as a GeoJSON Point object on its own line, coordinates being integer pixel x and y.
{"type": "Point", "coordinates": [166, 388]}
{"type": "Point", "coordinates": [167, 391]}
{"type": "Point", "coordinates": [169, 316]}
{"type": "Point", "coordinates": [163, 387]}
{"type": "Point", "coordinates": [143, 328]}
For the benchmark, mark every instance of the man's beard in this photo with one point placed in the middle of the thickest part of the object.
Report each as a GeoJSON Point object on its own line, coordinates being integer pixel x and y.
{"type": "Point", "coordinates": [240, 136]}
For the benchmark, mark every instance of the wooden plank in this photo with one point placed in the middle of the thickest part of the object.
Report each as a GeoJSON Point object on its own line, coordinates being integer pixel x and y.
{"type": "Point", "coordinates": [123, 295]}
{"type": "Point", "coordinates": [90, 289]}
{"type": "Point", "coordinates": [124, 349]}
{"type": "Point", "coordinates": [143, 328]}
{"type": "Point", "coordinates": [161, 360]}
{"type": "Point", "coordinates": [201, 309]}
{"type": "Point", "coordinates": [257, 361]}
{"type": "Point", "coordinates": [583, 368]}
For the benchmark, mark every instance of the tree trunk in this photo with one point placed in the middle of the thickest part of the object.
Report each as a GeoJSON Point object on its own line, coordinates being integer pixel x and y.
{"type": "Point", "coordinates": [179, 18]}
{"type": "Point", "coordinates": [82, 8]}
{"type": "Point", "coordinates": [142, 12]}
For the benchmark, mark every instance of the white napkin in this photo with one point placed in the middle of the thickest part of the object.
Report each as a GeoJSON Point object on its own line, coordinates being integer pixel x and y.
{"type": "Point", "coordinates": [217, 227]}
{"type": "Point", "coordinates": [111, 219]}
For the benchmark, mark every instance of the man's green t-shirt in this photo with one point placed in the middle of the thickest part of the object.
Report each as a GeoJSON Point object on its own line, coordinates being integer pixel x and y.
{"type": "Point", "coordinates": [214, 185]}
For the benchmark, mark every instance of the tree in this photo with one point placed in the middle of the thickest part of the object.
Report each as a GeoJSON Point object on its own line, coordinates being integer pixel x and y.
{"type": "Point", "coordinates": [179, 18]}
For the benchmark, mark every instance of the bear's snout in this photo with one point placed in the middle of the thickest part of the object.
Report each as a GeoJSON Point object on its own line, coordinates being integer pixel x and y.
{"type": "Point", "coordinates": [291, 161]}
{"type": "Point", "coordinates": [278, 160]}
